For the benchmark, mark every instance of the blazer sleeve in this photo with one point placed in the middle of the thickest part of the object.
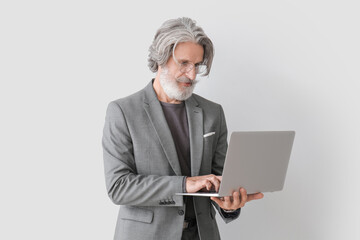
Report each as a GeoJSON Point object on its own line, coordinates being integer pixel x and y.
{"type": "Point", "coordinates": [218, 165]}
{"type": "Point", "coordinates": [124, 185]}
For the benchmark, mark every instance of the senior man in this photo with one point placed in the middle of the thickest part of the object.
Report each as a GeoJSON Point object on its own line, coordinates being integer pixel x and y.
{"type": "Point", "coordinates": [156, 144]}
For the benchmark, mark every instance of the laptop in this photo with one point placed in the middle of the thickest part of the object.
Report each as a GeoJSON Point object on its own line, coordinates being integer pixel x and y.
{"type": "Point", "coordinates": [256, 161]}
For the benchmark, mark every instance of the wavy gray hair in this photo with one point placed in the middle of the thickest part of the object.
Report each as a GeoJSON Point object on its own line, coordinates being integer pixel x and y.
{"type": "Point", "coordinates": [176, 31]}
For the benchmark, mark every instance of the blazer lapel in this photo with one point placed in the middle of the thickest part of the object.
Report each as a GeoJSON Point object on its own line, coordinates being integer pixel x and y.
{"type": "Point", "coordinates": [157, 118]}
{"type": "Point", "coordinates": [195, 121]}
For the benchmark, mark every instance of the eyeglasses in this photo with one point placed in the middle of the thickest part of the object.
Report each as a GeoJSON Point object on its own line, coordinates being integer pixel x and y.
{"type": "Point", "coordinates": [186, 67]}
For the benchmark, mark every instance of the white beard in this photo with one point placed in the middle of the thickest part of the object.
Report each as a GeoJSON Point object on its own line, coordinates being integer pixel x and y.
{"type": "Point", "coordinates": [172, 89]}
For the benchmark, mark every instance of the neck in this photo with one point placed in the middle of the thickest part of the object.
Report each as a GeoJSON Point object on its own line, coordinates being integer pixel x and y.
{"type": "Point", "coordinates": [160, 93]}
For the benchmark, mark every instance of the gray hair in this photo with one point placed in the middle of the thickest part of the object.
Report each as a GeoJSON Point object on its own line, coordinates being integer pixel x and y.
{"type": "Point", "coordinates": [176, 31]}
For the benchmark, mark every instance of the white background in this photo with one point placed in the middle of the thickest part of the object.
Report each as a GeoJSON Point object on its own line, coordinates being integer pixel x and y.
{"type": "Point", "coordinates": [278, 65]}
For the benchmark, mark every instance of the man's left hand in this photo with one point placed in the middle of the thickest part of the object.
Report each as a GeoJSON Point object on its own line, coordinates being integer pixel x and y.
{"type": "Point", "coordinates": [237, 200]}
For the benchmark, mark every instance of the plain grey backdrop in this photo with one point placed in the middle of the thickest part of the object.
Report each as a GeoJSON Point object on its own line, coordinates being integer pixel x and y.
{"type": "Point", "coordinates": [278, 65]}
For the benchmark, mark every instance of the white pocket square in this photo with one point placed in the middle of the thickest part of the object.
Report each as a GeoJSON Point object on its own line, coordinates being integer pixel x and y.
{"type": "Point", "coordinates": [209, 134]}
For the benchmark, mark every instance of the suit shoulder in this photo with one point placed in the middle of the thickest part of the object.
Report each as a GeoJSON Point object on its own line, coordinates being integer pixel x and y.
{"type": "Point", "coordinates": [123, 105]}
{"type": "Point", "coordinates": [137, 96]}
{"type": "Point", "coordinates": [129, 101]}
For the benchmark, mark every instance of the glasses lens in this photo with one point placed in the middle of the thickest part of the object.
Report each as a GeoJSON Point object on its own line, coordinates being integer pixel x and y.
{"type": "Point", "coordinates": [187, 67]}
{"type": "Point", "coordinates": [200, 69]}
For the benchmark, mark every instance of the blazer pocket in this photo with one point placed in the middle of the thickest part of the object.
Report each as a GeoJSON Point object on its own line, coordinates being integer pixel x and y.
{"type": "Point", "coordinates": [136, 214]}
{"type": "Point", "coordinates": [208, 140]}
{"type": "Point", "coordinates": [206, 135]}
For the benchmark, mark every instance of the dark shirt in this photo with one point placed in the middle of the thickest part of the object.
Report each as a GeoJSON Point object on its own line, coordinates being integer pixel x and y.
{"type": "Point", "coordinates": [176, 118]}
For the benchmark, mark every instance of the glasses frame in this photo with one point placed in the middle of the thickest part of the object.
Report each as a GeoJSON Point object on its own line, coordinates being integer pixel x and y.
{"type": "Point", "coordinates": [186, 66]}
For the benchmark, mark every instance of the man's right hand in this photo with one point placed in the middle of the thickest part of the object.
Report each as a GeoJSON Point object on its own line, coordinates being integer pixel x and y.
{"type": "Point", "coordinates": [206, 182]}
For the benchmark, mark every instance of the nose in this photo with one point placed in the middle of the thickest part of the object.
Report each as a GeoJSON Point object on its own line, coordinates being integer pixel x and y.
{"type": "Point", "coordinates": [191, 74]}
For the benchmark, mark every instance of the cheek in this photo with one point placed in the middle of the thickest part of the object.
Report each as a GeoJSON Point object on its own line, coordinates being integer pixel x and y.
{"type": "Point", "coordinates": [174, 74]}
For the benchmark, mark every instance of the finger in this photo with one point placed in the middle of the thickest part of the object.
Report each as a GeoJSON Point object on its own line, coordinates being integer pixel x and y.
{"type": "Point", "coordinates": [259, 195]}
{"type": "Point", "coordinates": [243, 198]}
{"type": "Point", "coordinates": [203, 185]}
{"type": "Point", "coordinates": [208, 185]}
{"type": "Point", "coordinates": [227, 199]}
{"type": "Point", "coordinates": [236, 199]}
{"type": "Point", "coordinates": [255, 196]}
{"type": "Point", "coordinates": [227, 202]}
{"type": "Point", "coordinates": [215, 181]}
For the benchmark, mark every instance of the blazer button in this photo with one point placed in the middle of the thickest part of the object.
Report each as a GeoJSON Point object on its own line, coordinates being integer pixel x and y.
{"type": "Point", "coordinates": [181, 212]}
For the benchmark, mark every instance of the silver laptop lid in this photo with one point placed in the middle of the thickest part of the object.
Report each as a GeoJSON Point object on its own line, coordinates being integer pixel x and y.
{"type": "Point", "coordinates": [257, 161]}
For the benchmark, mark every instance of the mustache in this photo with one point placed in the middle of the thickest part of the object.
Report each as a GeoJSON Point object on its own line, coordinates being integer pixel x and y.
{"type": "Point", "coordinates": [184, 79]}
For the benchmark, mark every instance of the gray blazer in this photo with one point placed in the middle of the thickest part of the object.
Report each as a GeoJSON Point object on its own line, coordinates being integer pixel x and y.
{"type": "Point", "coordinates": [142, 170]}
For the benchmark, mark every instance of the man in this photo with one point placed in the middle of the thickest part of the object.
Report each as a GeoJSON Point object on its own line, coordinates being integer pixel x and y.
{"type": "Point", "coordinates": [163, 140]}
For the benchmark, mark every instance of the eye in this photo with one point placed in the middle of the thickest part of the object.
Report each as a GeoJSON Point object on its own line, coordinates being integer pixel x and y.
{"type": "Point", "coordinates": [184, 63]}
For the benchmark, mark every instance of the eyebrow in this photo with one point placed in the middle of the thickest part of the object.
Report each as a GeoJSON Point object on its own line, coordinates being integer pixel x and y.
{"type": "Point", "coordinates": [185, 60]}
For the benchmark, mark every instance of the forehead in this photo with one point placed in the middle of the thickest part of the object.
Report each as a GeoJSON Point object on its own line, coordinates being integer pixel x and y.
{"type": "Point", "coordinates": [189, 51]}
